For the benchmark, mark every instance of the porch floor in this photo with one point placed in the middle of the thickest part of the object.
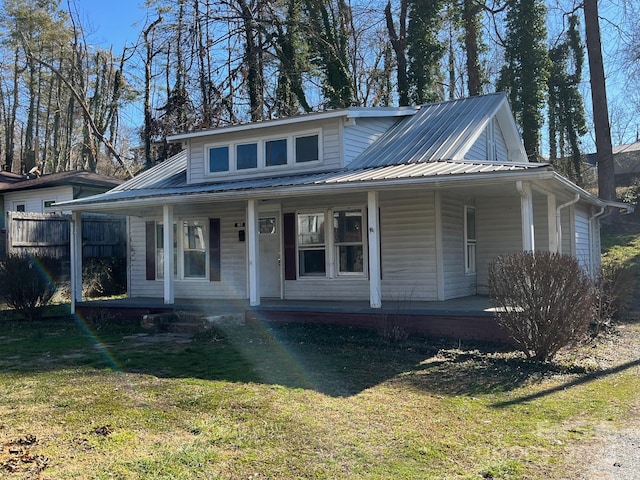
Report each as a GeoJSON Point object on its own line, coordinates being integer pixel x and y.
{"type": "Point", "coordinates": [475, 305]}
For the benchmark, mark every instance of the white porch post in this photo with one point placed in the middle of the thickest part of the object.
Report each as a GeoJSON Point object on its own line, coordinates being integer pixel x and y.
{"type": "Point", "coordinates": [252, 237]}
{"type": "Point", "coordinates": [375, 279]}
{"type": "Point", "coordinates": [526, 215]}
{"type": "Point", "coordinates": [76, 259]}
{"type": "Point", "coordinates": [552, 224]}
{"type": "Point", "coordinates": [167, 238]}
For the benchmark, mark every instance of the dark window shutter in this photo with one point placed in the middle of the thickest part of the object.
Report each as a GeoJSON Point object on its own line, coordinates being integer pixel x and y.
{"type": "Point", "coordinates": [289, 238]}
{"type": "Point", "coordinates": [150, 242]}
{"type": "Point", "coordinates": [214, 249]}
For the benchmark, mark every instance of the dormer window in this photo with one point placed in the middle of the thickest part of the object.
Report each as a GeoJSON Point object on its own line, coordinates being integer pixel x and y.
{"type": "Point", "coordinates": [219, 159]}
{"type": "Point", "coordinates": [228, 158]}
{"type": "Point", "coordinates": [307, 149]}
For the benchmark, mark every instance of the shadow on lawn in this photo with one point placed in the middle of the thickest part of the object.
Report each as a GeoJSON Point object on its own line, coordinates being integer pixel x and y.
{"type": "Point", "coordinates": [336, 361]}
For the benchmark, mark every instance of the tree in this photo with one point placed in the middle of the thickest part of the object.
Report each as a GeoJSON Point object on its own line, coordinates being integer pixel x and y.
{"type": "Point", "coordinates": [471, 23]}
{"type": "Point", "coordinates": [424, 49]}
{"type": "Point", "coordinates": [526, 70]}
{"type": "Point", "coordinates": [566, 109]}
{"type": "Point", "coordinates": [398, 39]}
{"type": "Point", "coordinates": [604, 149]}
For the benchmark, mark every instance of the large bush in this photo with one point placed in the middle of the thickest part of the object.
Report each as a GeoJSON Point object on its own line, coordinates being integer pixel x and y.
{"type": "Point", "coordinates": [103, 277]}
{"type": "Point", "coordinates": [28, 283]}
{"type": "Point", "coordinates": [543, 299]}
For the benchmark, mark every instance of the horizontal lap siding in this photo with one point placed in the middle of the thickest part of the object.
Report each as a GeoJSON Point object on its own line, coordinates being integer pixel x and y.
{"type": "Point", "coordinates": [582, 237]}
{"type": "Point", "coordinates": [34, 199]}
{"type": "Point", "coordinates": [233, 282]}
{"type": "Point", "coordinates": [341, 288]}
{"type": "Point", "coordinates": [502, 153]}
{"type": "Point", "coordinates": [359, 136]}
{"type": "Point", "coordinates": [456, 282]}
{"type": "Point", "coordinates": [498, 231]}
{"type": "Point", "coordinates": [541, 222]}
{"type": "Point", "coordinates": [407, 232]}
{"type": "Point", "coordinates": [331, 153]}
{"type": "Point", "coordinates": [478, 150]}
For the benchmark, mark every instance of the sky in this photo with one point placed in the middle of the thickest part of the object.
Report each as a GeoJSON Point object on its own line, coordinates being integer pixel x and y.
{"type": "Point", "coordinates": [112, 22]}
{"type": "Point", "coordinates": [119, 22]}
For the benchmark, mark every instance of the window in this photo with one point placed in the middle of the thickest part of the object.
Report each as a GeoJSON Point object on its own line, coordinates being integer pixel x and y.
{"type": "Point", "coordinates": [246, 156]}
{"type": "Point", "coordinates": [194, 249]}
{"type": "Point", "coordinates": [219, 159]}
{"type": "Point", "coordinates": [192, 245]}
{"type": "Point", "coordinates": [307, 149]}
{"type": "Point", "coordinates": [160, 250]}
{"type": "Point", "coordinates": [20, 207]}
{"type": "Point", "coordinates": [275, 152]}
{"type": "Point", "coordinates": [349, 247]}
{"type": "Point", "coordinates": [311, 244]}
{"type": "Point", "coordinates": [470, 239]}
{"type": "Point", "coordinates": [48, 204]}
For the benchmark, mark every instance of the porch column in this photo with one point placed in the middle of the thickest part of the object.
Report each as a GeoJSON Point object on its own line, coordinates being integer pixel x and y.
{"type": "Point", "coordinates": [76, 259]}
{"type": "Point", "coordinates": [552, 223]}
{"type": "Point", "coordinates": [375, 278]}
{"type": "Point", "coordinates": [252, 238]}
{"type": "Point", "coordinates": [167, 238]}
{"type": "Point", "coordinates": [526, 215]}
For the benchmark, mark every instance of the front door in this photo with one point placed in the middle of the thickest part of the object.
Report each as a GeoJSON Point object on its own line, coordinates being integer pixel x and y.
{"type": "Point", "coordinates": [270, 269]}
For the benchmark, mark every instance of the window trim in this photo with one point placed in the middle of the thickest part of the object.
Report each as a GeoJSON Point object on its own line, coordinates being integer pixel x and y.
{"type": "Point", "coordinates": [46, 207]}
{"type": "Point", "coordinates": [332, 267]}
{"type": "Point", "coordinates": [470, 243]}
{"type": "Point", "coordinates": [180, 249]}
{"type": "Point", "coordinates": [291, 139]}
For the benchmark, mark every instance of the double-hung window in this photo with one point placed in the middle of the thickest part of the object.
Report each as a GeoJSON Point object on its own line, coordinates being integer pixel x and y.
{"type": "Point", "coordinates": [189, 249]}
{"type": "Point", "coordinates": [311, 244]}
{"type": "Point", "coordinates": [470, 239]}
{"type": "Point", "coordinates": [348, 241]}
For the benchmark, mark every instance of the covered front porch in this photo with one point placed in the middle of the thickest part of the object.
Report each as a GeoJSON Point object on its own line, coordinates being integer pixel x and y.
{"type": "Point", "coordinates": [467, 318]}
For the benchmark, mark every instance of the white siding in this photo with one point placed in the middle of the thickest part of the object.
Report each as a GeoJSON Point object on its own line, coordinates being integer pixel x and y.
{"type": "Point", "coordinates": [566, 231]}
{"type": "Point", "coordinates": [581, 230]}
{"type": "Point", "coordinates": [359, 136]}
{"type": "Point", "coordinates": [541, 222]}
{"type": "Point", "coordinates": [456, 282]}
{"type": "Point", "coordinates": [33, 199]}
{"type": "Point", "coordinates": [407, 230]}
{"type": "Point", "coordinates": [339, 288]}
{"type": "Point", "coordinates": [498, 232]}
{"type": "Point", "coordinates": [331, 152]}
{"type": "Point", "coordinates": [478, 150]}
{"type": "Point", "coordinates": [233, 263]}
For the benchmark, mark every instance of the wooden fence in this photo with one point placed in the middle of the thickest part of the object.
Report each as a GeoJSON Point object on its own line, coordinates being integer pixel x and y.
{"type": "Point", "coordinates": [50, 234]}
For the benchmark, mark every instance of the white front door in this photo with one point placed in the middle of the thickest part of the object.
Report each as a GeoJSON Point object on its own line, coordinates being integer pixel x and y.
{"type": "Point", "coordinates": [270, 259]}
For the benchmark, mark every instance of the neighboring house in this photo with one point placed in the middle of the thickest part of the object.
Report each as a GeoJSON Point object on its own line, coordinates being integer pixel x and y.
{"type": "Point", "coordinates": [39, 194]}
{"type": "Point", "coordinates": [369, 204]}
{"type": "Point", "coordinates": [626, 163]}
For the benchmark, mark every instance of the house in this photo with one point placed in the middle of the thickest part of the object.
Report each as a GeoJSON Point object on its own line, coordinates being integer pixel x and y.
{"type": "Point", "coordinates": [368, 204]}
{"type": "Point", "coordinates": [626, 163]}
{"type": "Point", "coordinates": [36, 193]}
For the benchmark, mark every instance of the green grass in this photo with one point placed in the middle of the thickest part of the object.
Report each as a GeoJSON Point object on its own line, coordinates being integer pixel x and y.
{"type": "Point", "coordinates": [289, 401]}
{"type": "Point", "coordinates": [292, 401]}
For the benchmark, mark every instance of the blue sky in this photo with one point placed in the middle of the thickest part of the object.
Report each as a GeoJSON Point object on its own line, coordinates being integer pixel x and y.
{"type": "Point", "coordinates": [112, 22]}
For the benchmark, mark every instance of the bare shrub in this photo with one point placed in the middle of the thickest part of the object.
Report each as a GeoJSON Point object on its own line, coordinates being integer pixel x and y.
{"type": "Point", "coordinates": [28, 283]}
{"type": "Point", "coordinates": [102, 277]}
{"type": "Point", "coordinates": [612, 294]}
{"type": "Point", "coordinates": [544, 300]}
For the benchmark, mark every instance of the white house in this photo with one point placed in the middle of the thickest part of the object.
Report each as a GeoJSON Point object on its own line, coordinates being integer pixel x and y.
{"type": "Point", "coordinates": [372, 204]}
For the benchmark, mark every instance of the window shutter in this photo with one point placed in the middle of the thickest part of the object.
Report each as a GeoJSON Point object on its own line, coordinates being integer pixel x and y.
{"type": "Point", "coordinates": [214, 249]}
{"type": "Point", "coordinates": [289, 238]}
{"type": "Point", "coordinates": [150, 249]}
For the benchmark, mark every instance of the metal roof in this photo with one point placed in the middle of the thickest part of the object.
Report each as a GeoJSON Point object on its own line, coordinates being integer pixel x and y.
{"type": "Point", "coordinates": [390, 173]}
{"type": "Point", "coordinates": [438, 131]}
{"type": "Point", "coordinates": [170, 173]}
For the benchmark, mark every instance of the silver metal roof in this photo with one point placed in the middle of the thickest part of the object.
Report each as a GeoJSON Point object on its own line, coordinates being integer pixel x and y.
{"type": "Point", "coordinates": [439, 131]}
{"type": "Point", "coordinates": [169, 173]}
{"type": "Point", "coordinates": [390, 173]}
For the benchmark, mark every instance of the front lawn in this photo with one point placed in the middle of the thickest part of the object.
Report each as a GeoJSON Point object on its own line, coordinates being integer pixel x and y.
{"type": "Point", "coordinates": [291, 401]}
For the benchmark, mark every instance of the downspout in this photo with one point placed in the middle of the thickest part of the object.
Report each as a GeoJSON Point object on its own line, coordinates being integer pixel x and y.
{"type": "Point", "coordinates": [591, 240]}
{"type": "Point", "coordinates": [559, 220]}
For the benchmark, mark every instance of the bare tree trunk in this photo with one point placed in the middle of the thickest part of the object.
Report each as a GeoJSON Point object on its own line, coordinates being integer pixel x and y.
{"type": "Point", "coordinates": [148, 115]}
{"type": "Point", "coordinates": [469, 18]}
{"type": "Point", "coordinates": [606, 173]}
{"type": "Point", "coordinates": [399, 44]}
